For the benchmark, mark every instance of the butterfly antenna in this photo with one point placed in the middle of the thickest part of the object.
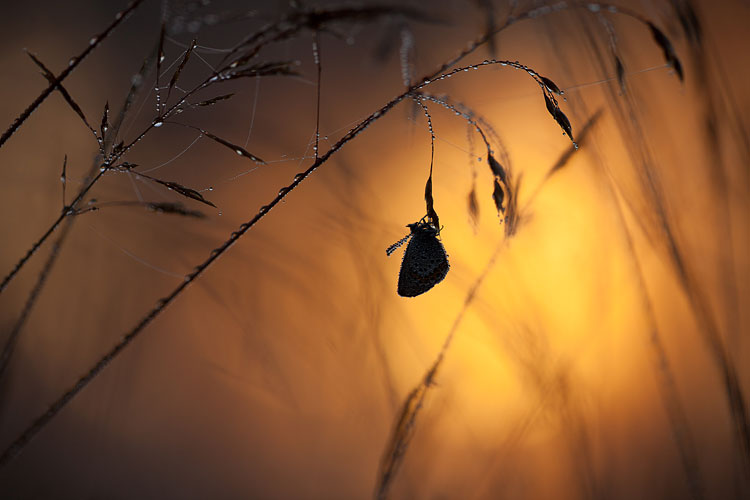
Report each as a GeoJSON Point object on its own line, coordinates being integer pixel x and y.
{"type": "Point", "coordinates": [396, 245]}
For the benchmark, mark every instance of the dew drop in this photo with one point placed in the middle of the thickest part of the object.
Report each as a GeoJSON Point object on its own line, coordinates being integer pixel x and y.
{"type": "Point", "coordinates": [298, 177]}
{"type": "Point", "coordinates": [263, 209]}
{"type": "Point", "coordinates": [239, 152]}
{"type": "Point", "coordinates": [158, 124]}
{"type": "Point", "coordinates": [94, 40]}
{"type": "Point", "coordinates": [72, 61]}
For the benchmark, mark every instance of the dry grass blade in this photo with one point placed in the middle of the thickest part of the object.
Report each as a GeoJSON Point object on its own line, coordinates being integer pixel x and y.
{"type": "Point", "coordinates": [582, 138]}
{"type": "Point", "coordinates": [105, 120]}
{"type": "Point", "coordinates": [174, 208]}
{"type": "Point", "coordinates": [473, 205]}
{"type": "Point", "coordinates": [124, 166]}
{"type": "Point", "coordinates": [214, 100]}
{"type": "Point", "coordinates": [666, 46]}
{"type": "Point", "coordinates": [550, 85]}
{"type": "Point", "coordinates": [620, 71]}
{"type": "Point", "coordinates": [237, 149]}
{"type": "Point", "coordinates": [159, 60]}
{"type": "Point", "coordinates": [497, 169]}
{"type": "Point", "coordinates": [282, 68]}
{"type": "Point", "coordinates": [179, 69]}
{"type": "Point", "coordinates": [689, 21]}
{"type": "Point", "coordinates": [498, 195]}
{"type": "Point", "coordinates": [180, 189]}
{"type": "Point", "coordinates": [136, 85]}
{"type": "Point", "coordinates": [490, 26]}
{"type": "Point", "coordinates": [64, 179]}
{"type": "Point", "coordinates": [402, 434]}
{"type": "Point", "coordinates": [559, 116]}
{"type": "Point", "coordinates": [51, 79]}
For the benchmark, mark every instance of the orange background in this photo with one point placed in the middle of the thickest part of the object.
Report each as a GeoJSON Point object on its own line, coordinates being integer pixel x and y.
{"type": "Point", "coordinates": [279, 373]}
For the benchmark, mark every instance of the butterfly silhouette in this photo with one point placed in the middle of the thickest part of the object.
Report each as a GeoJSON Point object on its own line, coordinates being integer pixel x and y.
{"type": "Point", "coordinates": [425, 263]}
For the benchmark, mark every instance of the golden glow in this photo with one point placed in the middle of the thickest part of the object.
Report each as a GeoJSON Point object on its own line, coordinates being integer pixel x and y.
{"type": "Point", "coordinates": [280, 372]}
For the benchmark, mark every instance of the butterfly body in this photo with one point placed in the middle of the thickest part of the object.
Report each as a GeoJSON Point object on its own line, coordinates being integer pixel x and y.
{"type": "Point", "coordinates": [425, 263]}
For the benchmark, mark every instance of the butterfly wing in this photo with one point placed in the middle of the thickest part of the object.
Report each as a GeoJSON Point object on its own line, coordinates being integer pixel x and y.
{"type": "Point", "coordinates": [425, 264]}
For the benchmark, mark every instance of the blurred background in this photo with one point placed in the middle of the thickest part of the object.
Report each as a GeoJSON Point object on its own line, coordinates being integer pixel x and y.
{"type": "Point", "coordinates": [594, 361]}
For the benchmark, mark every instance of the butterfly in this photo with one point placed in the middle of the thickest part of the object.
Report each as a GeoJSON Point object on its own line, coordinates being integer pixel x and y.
{"type": "Point", "coordinates": [425, 263]}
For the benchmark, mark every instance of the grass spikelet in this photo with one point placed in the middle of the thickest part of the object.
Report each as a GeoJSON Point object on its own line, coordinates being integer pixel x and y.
{"type": "Point", "coordinates": [670, 56]}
